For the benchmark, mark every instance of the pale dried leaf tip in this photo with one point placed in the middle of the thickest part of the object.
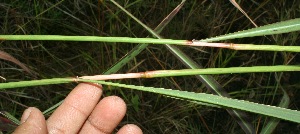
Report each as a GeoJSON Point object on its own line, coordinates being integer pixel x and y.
{"type": "Point", "coordinates": [8, 57]}
{"type": "Point", "coordinates": [3, 78]}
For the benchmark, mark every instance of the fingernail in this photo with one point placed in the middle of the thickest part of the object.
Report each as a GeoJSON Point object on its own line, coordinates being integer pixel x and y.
{"type": "Point", "coordinates": [25, 115]}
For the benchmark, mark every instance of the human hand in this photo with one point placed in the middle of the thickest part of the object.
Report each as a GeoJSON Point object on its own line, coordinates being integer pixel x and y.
{"type": "Point", "coordinates": [81, 112]}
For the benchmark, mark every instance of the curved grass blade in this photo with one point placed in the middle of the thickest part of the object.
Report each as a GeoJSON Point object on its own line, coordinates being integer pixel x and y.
{"type": "Point", "coordinates": [209, 81]}
{"type": "Point", "coordinates": [278, 112]}
{"type": "Point", "coordinates": [270, 29]}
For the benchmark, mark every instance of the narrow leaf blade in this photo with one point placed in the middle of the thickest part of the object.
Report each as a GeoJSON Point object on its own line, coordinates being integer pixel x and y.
{"type": "Point", "coordinates": [273, 111]}
{"type": "Point", "coordinates": [270, 29]}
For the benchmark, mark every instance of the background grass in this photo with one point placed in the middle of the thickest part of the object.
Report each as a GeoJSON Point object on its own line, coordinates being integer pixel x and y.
{"type": "Point", "coordinates": [153, 113]}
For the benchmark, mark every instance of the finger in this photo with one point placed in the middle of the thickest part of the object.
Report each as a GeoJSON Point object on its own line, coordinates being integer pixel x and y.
{"type": "Point", "coordinates": [33, 122]}
{"type": "Point", "coordinates": [130, 129]}
{"type": "Point", "coordinates": [106, 116]}
{"type": "Point", "coordinates": [73, 112]}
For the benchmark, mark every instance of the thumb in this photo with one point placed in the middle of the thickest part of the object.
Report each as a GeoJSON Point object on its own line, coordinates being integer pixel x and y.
{"type": "Point", "coordinates": [33, 122]}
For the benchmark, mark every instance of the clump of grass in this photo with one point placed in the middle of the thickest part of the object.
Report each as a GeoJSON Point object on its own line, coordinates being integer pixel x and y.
{"type": "Point", "coordinates": [154, 113]}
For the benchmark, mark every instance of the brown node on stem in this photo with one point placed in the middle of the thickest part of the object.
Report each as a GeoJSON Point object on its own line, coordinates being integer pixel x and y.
{"type": "Point", "coordinates": [75, 79]}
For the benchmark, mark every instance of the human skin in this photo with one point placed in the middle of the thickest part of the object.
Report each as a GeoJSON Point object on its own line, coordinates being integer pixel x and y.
{"type": "Point", "coordinates": [81, 112]}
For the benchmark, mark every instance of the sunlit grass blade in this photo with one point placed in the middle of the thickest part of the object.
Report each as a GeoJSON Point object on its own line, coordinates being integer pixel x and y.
{"type": "Point", "coordinates": [185, 72]}
{"type": "Point", "coordinates": [281, 113]}
{"type": "Point", "coordinates": [270, 29]}
{"type": "Point", "coordinates": [36, 82]}
{"type": "Point", "coordinates": [265, 47]}
{"type": "Point", "coordinates": [93, 38]}
{"type": "Point", "coordinates": [248, 46]}
{"type": "Point", "coordinates": [207, 80]}
{"type": "Point", "coordinates": [153, 74]}
{"type": "Point", "coordinates": [140, 47]}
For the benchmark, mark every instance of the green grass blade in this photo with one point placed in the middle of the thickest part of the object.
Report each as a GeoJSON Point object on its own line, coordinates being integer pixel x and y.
{"type": "Point", "coordinates": [185, 72]}
{"type": "Point", "coordinates": [152, 41]}
{"type": "Point", "coordinates": [273, 122]}
{"type": "Point", "coordinates": [10, 117]}
{"type": "Point", "coordinates": [51, 109]}
{"type": "Point", "coordinates": [230, 70]}
{"type": "Point", "coordinates": [140, 47]}
{"type": "Point", "coordinates": [36, 82]}
{"type": "Point", "coordinates": [270, 29]}
{"type": "Point", "coordinates": [129, 56]}
{"type": "Point", "coordinates": [159, 73]}
{"type": "Point", "coordinates": [151, 74]}
{"type": "Point", "coordinates": [177, 52]}
{"type": "Point", "coordinates": [281, 113]}
{"type": "Point", "coordinates": [210, 83]}
{"type": "Point", "coordinates": [92, 38]}
{"type": "Point", "coordinates": [134, 52]}
{"type": "Point", "coordinates": [266, 47]}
